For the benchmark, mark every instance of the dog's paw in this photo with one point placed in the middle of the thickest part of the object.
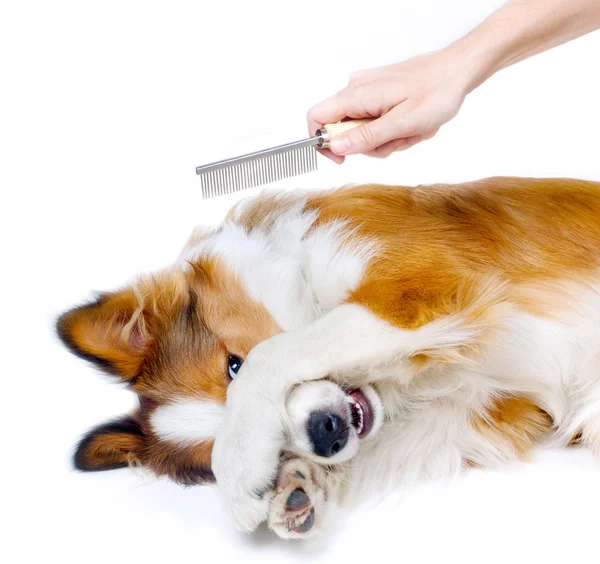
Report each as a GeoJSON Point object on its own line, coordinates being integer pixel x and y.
{"type": "Point", "coordinates": [297, 510]}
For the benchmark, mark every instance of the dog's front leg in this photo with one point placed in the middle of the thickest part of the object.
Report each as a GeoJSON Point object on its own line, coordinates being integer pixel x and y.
{"type": "Point", "coordinates": [247, 448]}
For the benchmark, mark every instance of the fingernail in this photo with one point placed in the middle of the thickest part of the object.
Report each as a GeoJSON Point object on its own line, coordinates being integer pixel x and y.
{"type": "Point", "coordinates": [340, 145]}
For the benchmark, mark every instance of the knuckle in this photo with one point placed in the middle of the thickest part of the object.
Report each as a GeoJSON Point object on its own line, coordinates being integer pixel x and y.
{"type": "Point", "coordinates": [410, 143]}
{"type": "Point", "coordinates": [312, 113]}
{"type": "Point", "coordinates": [352, 91]}
{"type": "Point", "coordinates": [430, 134]}
{"type": "Point", "coordinates": [396, 145]}
{"type": "Point", "coordinates": [410, 128]}
{"type": "Point", "coordinates": [381, 154]}
{"type": "Point", "coordinates": [356, 76]}
{"type": "Point", "coordinates": [366, 136]}
{"type": "Point", "coordinates": [388, 148]}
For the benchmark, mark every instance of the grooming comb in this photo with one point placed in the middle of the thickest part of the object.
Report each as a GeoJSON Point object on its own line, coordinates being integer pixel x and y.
{"type": "Point", "coordinates": [263, 167]}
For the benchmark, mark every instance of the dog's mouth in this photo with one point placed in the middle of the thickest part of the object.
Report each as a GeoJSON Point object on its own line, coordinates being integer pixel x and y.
{"type": "Point", "coordinates": [361, 411]}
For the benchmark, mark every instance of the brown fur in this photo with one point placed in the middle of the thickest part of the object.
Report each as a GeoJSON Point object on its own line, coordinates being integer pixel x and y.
{"type": "Point", "coordinates": [514, 421]}
{"type": "Point", "coordinates": [114, 444]}
{"type": "Point", "coordinates": [443, 249]}
{"type": "Point", "coordinates": [263, 211]}
{"type": "Point", "coordinates": [438, 240]}
{"type": "Point", "coordinates": [167, 336]}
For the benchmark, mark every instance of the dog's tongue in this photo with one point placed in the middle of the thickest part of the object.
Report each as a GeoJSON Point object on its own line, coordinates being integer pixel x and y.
{"type": "Point", "coordinates": [362, 412]}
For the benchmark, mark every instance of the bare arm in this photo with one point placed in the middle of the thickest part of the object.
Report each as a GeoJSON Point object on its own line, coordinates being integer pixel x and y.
{"type": "Point", "coordinates": [414, 98]}
{"type": "Point", "coordinates": [523, 28]}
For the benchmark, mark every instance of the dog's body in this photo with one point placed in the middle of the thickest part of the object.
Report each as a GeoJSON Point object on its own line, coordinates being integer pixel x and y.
{"type": "Point", "coordinates": [441, 327]}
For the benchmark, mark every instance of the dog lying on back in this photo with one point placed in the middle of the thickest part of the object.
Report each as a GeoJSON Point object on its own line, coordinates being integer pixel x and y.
{"type": "Point", "coordinates": [317, 348]}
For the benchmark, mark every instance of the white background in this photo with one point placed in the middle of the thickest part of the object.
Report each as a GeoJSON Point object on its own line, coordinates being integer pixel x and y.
{"type": "Point", "coordinates": [106, 108]}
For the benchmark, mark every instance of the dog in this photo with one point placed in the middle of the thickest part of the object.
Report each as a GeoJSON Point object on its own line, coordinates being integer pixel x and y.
{"type": "Point", "coordinates": [320, 348]}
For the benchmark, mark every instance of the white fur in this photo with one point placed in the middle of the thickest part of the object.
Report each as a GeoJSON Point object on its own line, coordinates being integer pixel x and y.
{"type": "Point", "coordinates": [304, 400]}
{"type": "Point", "coordinates": [188, 421]}
{"type": "Point", "coordinates": [348, 338]}
{"type": "Point", "coordinates": [326, 396]}
{"type": "Point", "coordinates": [428, 432]}
{"type": "Point", "coordinates": [335, 262]}
{"type": "Point", "coordinates": [295, 272]}
{"type": "Point", "coordinates": [303, 274]}
{"type": "Point", "coordinates": [555, 361]}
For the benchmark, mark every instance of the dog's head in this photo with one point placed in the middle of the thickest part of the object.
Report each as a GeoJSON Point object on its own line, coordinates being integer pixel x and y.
{"type": "Point", "coordinates": [177, 339]}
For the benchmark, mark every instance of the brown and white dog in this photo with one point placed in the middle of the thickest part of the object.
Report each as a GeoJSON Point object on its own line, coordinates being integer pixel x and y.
{"type": "Point", "coordinates": [374, 335]}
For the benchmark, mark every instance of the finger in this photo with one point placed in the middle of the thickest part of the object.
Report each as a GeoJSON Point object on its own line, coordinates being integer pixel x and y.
{"type": "Point", "coordinates": [397, 145]}
{"type": "Point", "coordinates": [330, 110]}
{"type": "Point", "coordinates": [358, 101]}
{"type": "Point", "coordinates": [398, 123]}
{"type": "Point", "coordinates": [338, 159]}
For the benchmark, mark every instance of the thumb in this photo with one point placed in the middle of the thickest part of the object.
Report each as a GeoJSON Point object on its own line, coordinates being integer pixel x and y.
{"type": "Point", "coordinates": [396, 124]}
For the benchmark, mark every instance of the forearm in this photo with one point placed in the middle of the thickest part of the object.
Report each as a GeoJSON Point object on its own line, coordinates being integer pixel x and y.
{"type": "Point", "coordinates": [521, 29]}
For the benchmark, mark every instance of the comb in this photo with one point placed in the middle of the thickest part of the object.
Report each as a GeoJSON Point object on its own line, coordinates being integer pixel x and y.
{"type": "Point", "coordinates": [270, 165]}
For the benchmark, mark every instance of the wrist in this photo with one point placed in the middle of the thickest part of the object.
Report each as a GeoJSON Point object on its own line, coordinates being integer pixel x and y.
{"type": "Point", "coordinates": [474, 61]}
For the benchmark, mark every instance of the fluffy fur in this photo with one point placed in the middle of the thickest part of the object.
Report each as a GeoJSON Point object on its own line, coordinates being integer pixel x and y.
{"type": "Point", "coordinates": [470, 315]}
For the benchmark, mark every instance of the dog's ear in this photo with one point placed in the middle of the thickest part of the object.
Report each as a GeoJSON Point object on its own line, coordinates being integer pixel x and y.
{"type": "Point", "coordinates": [113, 332]}
{"type": "Point", "coordinates": [114, 444]}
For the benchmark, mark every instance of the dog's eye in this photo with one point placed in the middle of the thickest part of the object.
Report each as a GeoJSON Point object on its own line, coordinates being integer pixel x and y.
{"type": "Point", "coordinates": [234, 364]}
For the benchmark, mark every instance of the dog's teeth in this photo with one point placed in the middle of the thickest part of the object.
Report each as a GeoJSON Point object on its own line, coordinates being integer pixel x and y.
{"type": "Point", "coordinates": [360, 419]}
{"type": "Point", "coordinates": [359, 414]}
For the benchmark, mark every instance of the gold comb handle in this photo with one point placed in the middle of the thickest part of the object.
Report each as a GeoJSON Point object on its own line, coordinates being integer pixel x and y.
{"type": "Point", "coordinates": [331, 130]}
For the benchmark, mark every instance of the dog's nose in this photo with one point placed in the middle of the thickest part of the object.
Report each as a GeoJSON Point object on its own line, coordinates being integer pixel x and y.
{"type": "Point", "coordinates": [328, 433]}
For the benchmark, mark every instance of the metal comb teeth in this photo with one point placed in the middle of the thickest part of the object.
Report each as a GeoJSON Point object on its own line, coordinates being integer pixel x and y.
{"type": "Point", "coordinates": [256, 169]}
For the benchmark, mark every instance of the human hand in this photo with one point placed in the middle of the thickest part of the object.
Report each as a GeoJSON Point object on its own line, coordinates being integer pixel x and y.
{"type": "Point", "coordinates": [411, 100]}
